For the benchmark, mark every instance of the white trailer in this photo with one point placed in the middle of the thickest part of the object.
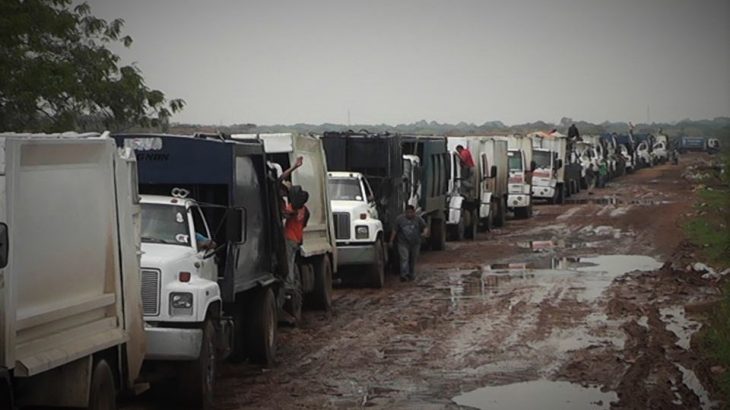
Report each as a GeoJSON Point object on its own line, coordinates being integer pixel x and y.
{"type": "Point", "coordinates": [71, 330]}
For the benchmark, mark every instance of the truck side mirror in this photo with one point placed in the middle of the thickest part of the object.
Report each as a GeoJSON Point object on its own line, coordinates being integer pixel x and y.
{"type": "Point", "coordinates": [533, 166]}
{"type": "Point", "coordinates": [4, 245]}
{"type": "Point", "coordinates": [558, 164]}
{"type": "Point", "coordinates": [493, 171]}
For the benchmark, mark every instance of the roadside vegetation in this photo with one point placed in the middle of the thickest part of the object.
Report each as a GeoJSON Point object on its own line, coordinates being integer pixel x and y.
{"type": "Point", "coordinates": [709, 230]}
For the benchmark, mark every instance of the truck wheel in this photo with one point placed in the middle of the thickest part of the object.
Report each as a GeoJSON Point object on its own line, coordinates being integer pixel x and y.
{"type": "Point", "coordinates": [501, 214]}
{"type": "Point", "coordinates": [438, 234]}
{"type": "Point", "coordinates": [490, 218]}
{"type": "Point", "coordinates": [102, 395]}
{"type": "Point", "coordinates": [471, 226]}
{"type": "Point", "coordinates": [560, 198]}
{"type": "Point", "coordinates": [460, 228]}
{"type": "Point", "coordinates": [260, 334]}
{"type": "Point", "coordinates": [198, 376]}
{"type": "Point", "coordinates": [321, 297]}
{"type": "Point", "coordinates": [376, 271]}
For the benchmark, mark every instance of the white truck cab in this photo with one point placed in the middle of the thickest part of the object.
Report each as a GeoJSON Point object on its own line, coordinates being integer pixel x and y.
{"type": "Point", "coordinates": [358, 230]}
{"type": "Point", "coordinates": [544, 179]}
{"type": "Point", "coordinates": [179, 275]}
{"type": "Point", "coordinates": [643, 156]}
{"type": "Point", "coordinates": [659, 152]}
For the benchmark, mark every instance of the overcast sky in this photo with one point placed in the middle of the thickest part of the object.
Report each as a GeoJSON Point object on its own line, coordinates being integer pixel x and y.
{"type": "Point", "coordinates": [396, 61]}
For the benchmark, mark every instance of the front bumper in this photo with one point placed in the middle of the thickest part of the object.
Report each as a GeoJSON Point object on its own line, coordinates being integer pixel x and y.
{"type": "Point", "coordinates": [518, 200]}
{"type": "Point", "coordinates": [169, 343]}
{"type": "Point", "coordinates": [545, 192]}
{"type": "Point", "coordinates": [355, 254]}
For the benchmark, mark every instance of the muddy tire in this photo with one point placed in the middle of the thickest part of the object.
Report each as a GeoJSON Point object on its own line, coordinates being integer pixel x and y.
{"type": "Point", "coordinates": [102, 394]}
{"type": "Point", "coordinates": [376, 271]}
{"type": "Point", "coordinates": [560, 196]}
{"type": "Point", "coordinates": [321, 297]}
{"type": "Point", "coordinates": [460, 228]}
{"type": "Point", "coordinates": [198, 376]}
{"type": "Point", "coordinates": [472, 225]}
{"type": "Point", "coordinates": [438, 234]}
{"type": "Point", "coordinates": [489, 223]}
{"type": "Point", "coordinates": [260, 332]}
{"type": "Point", "coordinates": [501, 214]}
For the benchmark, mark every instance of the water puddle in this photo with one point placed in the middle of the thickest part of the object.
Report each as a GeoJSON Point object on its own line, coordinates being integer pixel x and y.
{"type": "Point", "coordinates": [538, 394]}
{"type": "Point", "coordinates": [677, 322]}
{"type": "Point", "coordinates": [547, 246]}
{"type": "Point", "coordinates": [690, 379]}
{"type": "Point", "coordinates": [586, 277]}
{"type": "Point", "coordinates": [612, 200]}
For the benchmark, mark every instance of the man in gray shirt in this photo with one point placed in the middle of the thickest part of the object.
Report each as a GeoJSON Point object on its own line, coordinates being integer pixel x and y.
{"type": "Point", "coordinates": [408, 229]}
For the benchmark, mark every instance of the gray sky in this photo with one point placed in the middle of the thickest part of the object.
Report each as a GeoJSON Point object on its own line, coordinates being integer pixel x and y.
{"type": "Point", "coordinates": [271, 62]}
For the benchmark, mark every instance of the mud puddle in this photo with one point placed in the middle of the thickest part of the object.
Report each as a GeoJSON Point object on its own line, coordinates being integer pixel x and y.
{"type": "Point", "coordinates": [586, 277]}
{"type": "Point", "coordinates": [612, 200]}
{"type": "Point", "coordinates": [547, 246]}
{"type": "Point", "coordinates": [677, 322]}
{"type": "Point", "coordinates": [690, 379]}
{"type": "Point", "coordinates": [538, 394]}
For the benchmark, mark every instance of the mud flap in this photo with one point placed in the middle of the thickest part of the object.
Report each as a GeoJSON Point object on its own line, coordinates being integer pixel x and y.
{"type": "Point", "coordinates": [485, 205]}
{"type": "Point", "coordinates": [455, 210]}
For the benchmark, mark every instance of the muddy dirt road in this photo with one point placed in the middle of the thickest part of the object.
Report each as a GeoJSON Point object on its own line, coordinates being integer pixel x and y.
{"type": "Point", "coordinates": [570, 308]}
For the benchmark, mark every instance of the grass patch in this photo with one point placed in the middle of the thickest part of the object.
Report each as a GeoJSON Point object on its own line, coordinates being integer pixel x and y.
{"type": "Point", "coordinates": [709, 231]}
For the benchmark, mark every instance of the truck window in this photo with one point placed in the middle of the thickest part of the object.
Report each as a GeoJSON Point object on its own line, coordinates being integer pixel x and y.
{"type": "Point", "coordinates": [514, 161]}
{"type": "Point", "coordinates": [165, 224]}
{"type": "Point", "coordinates": [542, 159]}
{"type": "Point", "coordinates": [368, 191]}
{"type": "Point", "coordinates": [344, 189]}
{"type": "Point", "coordinates": [201, 227]}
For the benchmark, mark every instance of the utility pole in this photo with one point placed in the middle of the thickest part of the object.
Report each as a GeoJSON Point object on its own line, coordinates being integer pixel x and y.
{"type": "Point", "coordinates": [648, 114]}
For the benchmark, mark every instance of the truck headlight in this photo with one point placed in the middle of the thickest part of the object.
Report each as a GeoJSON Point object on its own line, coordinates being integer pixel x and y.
{"type": "Point", "coordinates": [362, 232]}
{"type": "Point", "coordinates": [181, 303]}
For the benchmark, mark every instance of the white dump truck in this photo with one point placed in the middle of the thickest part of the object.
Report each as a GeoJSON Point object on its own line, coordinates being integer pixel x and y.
{"type": "Point", "coordinates": [318, 249]}
{"type": "Point", "coordinates": [71, 330]}
{"type": "Point", "coordinates": [521, 166]}
{"type": "Point", "coordinates": [548, 180]}
{"type": "Point", "coordinates": [358, 229]}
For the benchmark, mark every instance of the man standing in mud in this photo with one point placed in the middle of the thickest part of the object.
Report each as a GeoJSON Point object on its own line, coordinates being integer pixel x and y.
{"type": "Point", "coordinates": [408, 230]}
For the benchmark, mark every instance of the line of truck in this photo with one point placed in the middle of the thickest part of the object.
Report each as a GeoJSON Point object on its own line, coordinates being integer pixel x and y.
{"type": "Point", "coordinates": [129, 260]}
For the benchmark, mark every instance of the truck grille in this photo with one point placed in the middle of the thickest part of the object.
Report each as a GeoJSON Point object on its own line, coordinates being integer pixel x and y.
{"type": "Point", "coordinates": [342, 225]}
{"type": "Point", "coordinates": [150, 292]}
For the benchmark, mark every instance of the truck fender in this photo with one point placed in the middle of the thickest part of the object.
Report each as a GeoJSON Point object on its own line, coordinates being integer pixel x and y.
{"type": "Point", "coordinates": [485, 205]}
{"type": "Point", "coordinates": [455, 209]}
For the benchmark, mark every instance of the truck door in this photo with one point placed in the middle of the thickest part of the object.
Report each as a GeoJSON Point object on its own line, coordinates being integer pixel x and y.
{"type": "Point", "coordinates": [485, 190]}
{"type": "Point", "coordinates": [370, 198]}
{"type": "Point", "coordinates": [204, 245]}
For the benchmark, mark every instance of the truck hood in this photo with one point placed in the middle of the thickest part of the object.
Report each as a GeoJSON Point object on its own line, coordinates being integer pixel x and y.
{"type": "Point", "coordinates": [158, 254]}
{"type": "Point", "coordinates": [349, 206]}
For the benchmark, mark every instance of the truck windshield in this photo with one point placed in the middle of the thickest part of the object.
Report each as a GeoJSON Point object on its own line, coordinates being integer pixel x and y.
{"type": "Point", "coordinates": [344, 189]}
{"type": "Point", "coordinates": [165, 224]}
{"type": "Point", "coordinates": [542, 159]}
{"type": "Point", "coordinates": [515, 161]}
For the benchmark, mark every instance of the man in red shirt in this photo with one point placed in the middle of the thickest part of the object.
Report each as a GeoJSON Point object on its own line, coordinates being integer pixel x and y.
{"type": "Point", "coordinates": [465, 157]}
